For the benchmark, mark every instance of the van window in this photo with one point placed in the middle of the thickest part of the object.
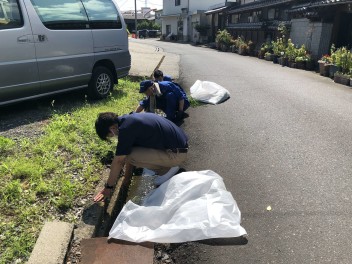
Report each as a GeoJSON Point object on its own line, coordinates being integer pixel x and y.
{"type": "Point", "coordinates": [102, 14]}
{"type": "Point", "coordinates": [10, 14]}
{"type": "Point", "coordinates": [61, 14]}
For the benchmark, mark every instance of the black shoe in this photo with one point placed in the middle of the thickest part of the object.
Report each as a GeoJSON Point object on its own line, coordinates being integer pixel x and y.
{"type": "Point", "coordinates": [180, 170]}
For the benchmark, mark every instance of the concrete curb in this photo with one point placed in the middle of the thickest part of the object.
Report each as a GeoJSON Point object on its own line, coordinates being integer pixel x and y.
{"type": "Point", "coordinates": [55, 238]}
{"type": "Point", "coordinates": [52, 244]}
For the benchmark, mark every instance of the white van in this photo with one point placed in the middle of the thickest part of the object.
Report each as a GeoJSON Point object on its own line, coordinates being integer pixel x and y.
{"type": "Point", "coordinates": [53, 46]}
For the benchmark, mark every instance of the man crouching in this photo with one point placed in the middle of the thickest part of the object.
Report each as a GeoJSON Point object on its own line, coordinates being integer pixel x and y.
{"type": "Point", "coordinates": [145, 140]}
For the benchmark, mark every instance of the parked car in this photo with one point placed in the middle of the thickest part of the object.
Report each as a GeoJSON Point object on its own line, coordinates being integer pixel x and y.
{"type": "Point", "coordinates": [143, 33]}
{"type": "Point", "coordinates": [49, 47]}
{"type": "Point", "coordinates": [154, 33]}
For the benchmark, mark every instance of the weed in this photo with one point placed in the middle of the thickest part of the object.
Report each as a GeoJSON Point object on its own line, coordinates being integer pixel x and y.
{"type": "Point", "coordinates": [6, 146]}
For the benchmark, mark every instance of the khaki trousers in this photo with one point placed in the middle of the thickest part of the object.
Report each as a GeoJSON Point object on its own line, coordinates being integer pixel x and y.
{"type": "Point", "coordinates": [157, 160]}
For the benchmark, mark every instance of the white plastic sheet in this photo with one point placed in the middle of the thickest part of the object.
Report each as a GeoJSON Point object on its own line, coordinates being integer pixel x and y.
{"type": "Point", "coordinates": [190, 206]}
{"type": "Point", "coordinates": [209, 92]}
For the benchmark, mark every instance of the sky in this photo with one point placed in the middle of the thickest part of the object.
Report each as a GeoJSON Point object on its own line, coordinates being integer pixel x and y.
{"type": "Point", "coordinates": [129, 4]}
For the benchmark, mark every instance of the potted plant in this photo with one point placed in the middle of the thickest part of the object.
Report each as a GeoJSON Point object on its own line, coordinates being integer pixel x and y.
{"type": "Point", "coordinates": [342, 78]}
{"type": "Point", "coordinates": [268, 56]}
{"type": "Point", "coordinates": [300, 62]}
{"type": "Point", "coordinates": [261, 53]}
{"type": "Point", "coordinates": [291, 52]}
{"type": "Point", "coordinates": [223, 40]}
{"type": "Point", "coordinates": [335, 61]}
{"type": "Point", "coordinates": [279, 46]}
{"type": "Point", "coordinates": [301, 57]}
{"type": "Point", "coordinates": [310, 63]}
{"type": "Point", "coordinates": [251, 47]}
{"type": "Point", "coordinates": [243, 48]}
{"type": "Point", "coordinates": [324, 65]}
{"type": "Point", "coordinates": [265, 47]}
{"type": "Point", "coordinates": [344, 61]}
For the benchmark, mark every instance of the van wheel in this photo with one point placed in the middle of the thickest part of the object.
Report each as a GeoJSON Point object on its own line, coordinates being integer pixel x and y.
{"type": "Point", "coordinates": [101, 83]}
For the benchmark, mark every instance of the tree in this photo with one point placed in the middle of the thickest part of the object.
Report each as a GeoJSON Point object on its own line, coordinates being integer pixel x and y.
{"type": "Point", "coordinates": [145, 24]}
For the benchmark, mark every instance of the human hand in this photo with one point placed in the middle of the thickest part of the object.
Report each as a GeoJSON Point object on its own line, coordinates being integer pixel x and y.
{"type": "Point", "coordinates": [102, 194]}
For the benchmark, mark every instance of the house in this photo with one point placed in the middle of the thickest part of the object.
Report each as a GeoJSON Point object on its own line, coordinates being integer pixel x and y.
{"type": "Point", "coordinates": [179, 18]}
{"type": "Point", "coordinates": [217, 17]}
{"type": "Point", "coordinates": [258, 21]}
{"type": "Point", "coordinates": [130, 18]}
{"type": "Point", "coordinates": [316, 23]}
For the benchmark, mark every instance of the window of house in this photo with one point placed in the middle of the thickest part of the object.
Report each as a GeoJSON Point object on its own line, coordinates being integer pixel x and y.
{"type": "Point", "coordinates": [235, 18]}
{"type": "Point", "coordinates": [177, 2]}
{"type": "Point", "coordinates": [168, 29]}
{"type": "Point", "coordinates": [273, 13]}
{"type": "Point", "coordinates": [10, 14]}
{"type": "Point", "coordinates": [257, 15]}
{"type": "Point", "coordinates": [277, 13]}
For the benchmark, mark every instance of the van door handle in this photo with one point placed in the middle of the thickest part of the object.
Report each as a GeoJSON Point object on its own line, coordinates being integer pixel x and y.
{"type": "Point", "coordinates": [41, 38]}
{"type": "Point", "coordinates": [23, 39]}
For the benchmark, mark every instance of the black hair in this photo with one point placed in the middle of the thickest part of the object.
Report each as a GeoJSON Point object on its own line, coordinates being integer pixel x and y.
{"type": "Point", "coordinates": [158, 73]}
{"type": "Point", "coordinates": [104, 122]}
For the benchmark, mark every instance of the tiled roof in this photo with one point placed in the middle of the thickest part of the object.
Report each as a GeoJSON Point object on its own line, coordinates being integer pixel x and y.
{"type": "Point", "coordinates": [257, 5]}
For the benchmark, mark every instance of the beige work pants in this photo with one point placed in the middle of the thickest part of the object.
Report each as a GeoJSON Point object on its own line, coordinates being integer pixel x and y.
{"type": "Point", "coordinates": [157, 160]}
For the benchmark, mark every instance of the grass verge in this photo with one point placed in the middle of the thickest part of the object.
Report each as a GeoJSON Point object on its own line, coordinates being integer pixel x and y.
{"type": "Point", "coordinates": [45, 178]}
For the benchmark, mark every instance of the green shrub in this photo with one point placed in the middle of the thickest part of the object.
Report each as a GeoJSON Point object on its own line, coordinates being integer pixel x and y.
{"type": "Point", "coordinates": [223, 37]}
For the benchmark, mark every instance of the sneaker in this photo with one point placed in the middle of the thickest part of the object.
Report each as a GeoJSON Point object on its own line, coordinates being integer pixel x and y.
{"type": "Point", "coordinates": [163, 178]}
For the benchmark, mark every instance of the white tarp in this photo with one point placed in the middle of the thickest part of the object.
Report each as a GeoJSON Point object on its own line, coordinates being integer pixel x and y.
{"type": "Point", "coordinates": [209, 92]}
{"type": "Point", "coordinates": [190, 206]}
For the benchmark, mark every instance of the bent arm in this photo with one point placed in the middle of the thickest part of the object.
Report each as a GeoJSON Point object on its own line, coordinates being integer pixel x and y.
{"type": "Point", "coordinates": [139, 109]}
{"type": "Point", "coordinates": [116, 166]}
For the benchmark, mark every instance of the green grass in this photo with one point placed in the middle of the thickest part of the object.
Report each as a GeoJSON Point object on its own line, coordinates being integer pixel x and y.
{"type": "Point", "coordinates": [43, 179]}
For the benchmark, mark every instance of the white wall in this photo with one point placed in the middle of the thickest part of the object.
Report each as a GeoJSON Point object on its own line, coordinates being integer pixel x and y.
{"type": "Point", "coordinates": [169, 7]}
{"type": "Point", "coordinates": [172, 21]}
{"type": "Point", "coordinates": [172, 13]}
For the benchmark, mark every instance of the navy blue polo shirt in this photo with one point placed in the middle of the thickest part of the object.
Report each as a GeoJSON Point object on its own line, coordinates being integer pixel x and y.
{"type": "Point", "coordinates": [166, 87]}
{"type": "Point", "coordinates": [148, 130]}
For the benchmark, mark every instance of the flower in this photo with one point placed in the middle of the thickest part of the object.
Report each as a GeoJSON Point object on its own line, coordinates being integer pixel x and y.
{"type": "Point", "coordinates": [326, 58]}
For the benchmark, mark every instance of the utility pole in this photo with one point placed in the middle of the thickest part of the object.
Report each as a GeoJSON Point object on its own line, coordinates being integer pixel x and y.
{"type": "Point", "coordinates": [135, 16]}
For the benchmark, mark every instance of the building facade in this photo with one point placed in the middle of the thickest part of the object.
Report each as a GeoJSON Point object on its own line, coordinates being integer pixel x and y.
{"type": "Point", "coordinates": [179, 18]}
{"type": "Point", "coordinates": [316, 24]}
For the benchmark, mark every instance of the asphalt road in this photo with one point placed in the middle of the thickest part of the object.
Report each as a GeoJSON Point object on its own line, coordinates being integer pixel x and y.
{"type": "Point", "coordinates": [283, 140]}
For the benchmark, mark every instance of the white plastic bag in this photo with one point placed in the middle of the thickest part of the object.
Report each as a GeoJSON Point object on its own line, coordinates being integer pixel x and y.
{"type": "Point", "coordinates": [209, 92]}
{"type": "Point", "coordinates": [190, 206]}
